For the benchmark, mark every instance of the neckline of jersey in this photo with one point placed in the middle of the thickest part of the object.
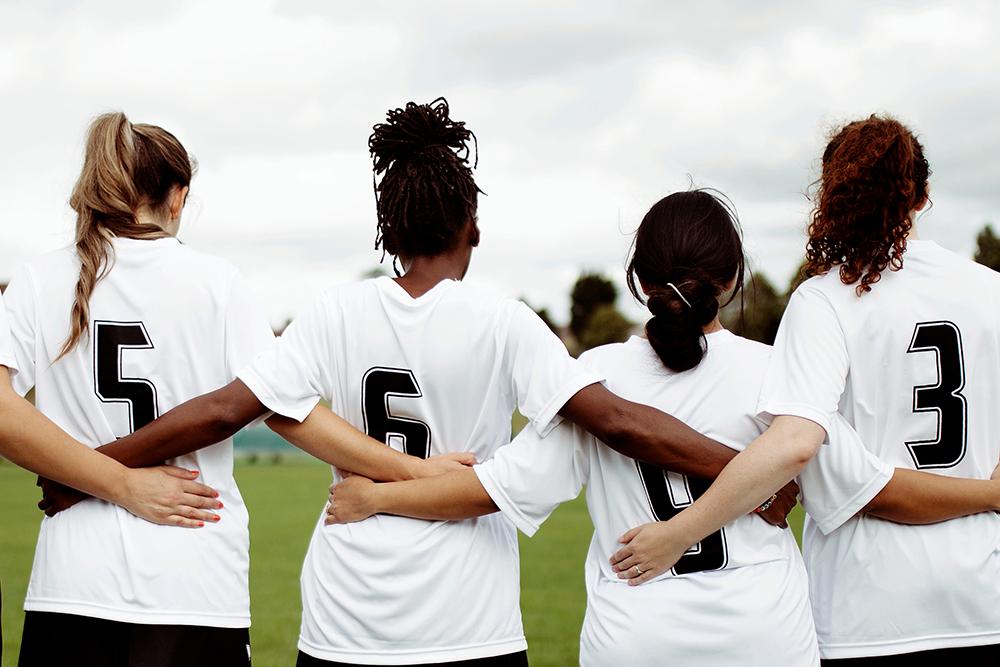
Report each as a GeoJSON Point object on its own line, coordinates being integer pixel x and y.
{"type": "Point", "coordinates": [124, 240]}
{"type": "Point", "coordinates": [396, 291]}
{"type": "Point", "coordinates": [713, 338]}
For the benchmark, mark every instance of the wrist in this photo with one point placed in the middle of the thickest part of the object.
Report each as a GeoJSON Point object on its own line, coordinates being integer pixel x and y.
{"type": "Point", "coordinates": [119, 489]}
{"type": "Point", "coordinates": [413, 468]}
{"type": "Point", "coordinates": [378, 498]}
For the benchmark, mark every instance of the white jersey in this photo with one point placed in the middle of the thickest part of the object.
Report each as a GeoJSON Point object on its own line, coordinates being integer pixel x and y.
{"type": "Point", "coordinates": [439, 373]}
{"type": "Point", "coordinates": [167, 324]}
{"type": "Point", "coordinates": [6, 347]}
{"type": "Point", "coordinates": [738, 597]}
{"type": "Point", "coordinates": [913, 365]}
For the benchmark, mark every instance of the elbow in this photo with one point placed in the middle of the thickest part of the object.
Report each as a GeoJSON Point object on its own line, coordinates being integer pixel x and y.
{"type": "Point", "coordinates": [224, 417]}
{"type": "Point", "coordinates": [801, 451]}
{"type": "Point", "coordinates": [618, 427]}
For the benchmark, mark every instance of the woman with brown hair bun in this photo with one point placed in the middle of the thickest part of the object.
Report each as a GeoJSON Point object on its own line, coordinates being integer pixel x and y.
{"type": "Point", "coordinates": [901, 337]}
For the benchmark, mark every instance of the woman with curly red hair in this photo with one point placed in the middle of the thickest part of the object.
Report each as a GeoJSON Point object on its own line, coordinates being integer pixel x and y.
{"type": "Point", "coordinates": [900, 336]}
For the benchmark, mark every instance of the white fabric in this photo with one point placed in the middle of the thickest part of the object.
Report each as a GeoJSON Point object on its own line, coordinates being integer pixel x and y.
{"type": "Point", "coordinates": [880, 588]}
{"type": "Point", "coordinates": [755, 611]}
{"type": "Point", "coordinates": [393, 590]}
{"type": "Point", "coordinates": [96, 559]}
{"type": "Point", "coordinates": [6, 346]}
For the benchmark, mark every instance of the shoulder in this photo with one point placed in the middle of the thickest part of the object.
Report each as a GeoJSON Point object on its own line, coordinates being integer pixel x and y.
{"type": "Point", "coordinates": [741, 353]}
{"type": "Point", "coordinates": [50, 269]}
{"type": "Point", "coordinates": [206, 264]}
{"type": "Point", "coordinates": [970, 267]}
{"type": "Point", "coordinates": [616, 355]}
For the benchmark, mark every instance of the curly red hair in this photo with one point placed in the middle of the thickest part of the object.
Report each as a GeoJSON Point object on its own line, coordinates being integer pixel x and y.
{"type": "Point", "coordinates": [874, 175]}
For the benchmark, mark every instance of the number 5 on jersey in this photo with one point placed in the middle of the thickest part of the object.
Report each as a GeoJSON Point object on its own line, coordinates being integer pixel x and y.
{"type": "Point", "coordinates": [110, 340]}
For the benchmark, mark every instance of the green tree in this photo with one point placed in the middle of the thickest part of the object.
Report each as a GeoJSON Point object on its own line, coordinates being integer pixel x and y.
{"type": "Point", "coordinates": [606, 325]}
{"type": "Point", "coordinates": [591, 291]}
{"type": "Point", "coordinates": [763, 307]}
{"type": "Point", "coordinates": [988, 248]}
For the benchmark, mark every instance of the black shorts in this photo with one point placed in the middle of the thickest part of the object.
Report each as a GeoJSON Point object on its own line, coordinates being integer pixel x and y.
{"type": "Point", "coordinates": [58, 640]}
{"type": "Point", "coordinates": [519, 659]}
{"type": "Point", "coordinates": [966, 656]}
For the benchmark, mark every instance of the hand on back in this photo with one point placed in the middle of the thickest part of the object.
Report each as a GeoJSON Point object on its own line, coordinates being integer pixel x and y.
{"type": "Point", "coordinates": [164, 495]}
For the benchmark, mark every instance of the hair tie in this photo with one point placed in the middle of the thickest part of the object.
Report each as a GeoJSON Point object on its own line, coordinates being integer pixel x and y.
{"type": "Point", "coordinates": [674, 288]}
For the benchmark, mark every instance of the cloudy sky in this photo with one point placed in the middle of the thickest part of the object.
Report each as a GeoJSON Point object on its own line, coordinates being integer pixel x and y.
{"type": "Point", "coordinates": [586, 113]}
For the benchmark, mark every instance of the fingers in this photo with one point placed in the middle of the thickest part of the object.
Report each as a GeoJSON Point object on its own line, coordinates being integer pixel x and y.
{"type": "Point", "coordinates": [201, 502]}
{"type": "Point", "coordinates": [629, 535]}
{"type": "Point", "coordinates": [184, 522]}
{"type": "Point", "coordinates": [465, 458]}
{"type": "Point", "coordinates": [621, 555]}
{"type": "Point", "coordinates": [198, 489]}
{"type": "Point", "coordinates": [636, 572]}
{"type": "Point", "coordinates": [196, 514]}
{"type": "Point", "coordinates": [626, 568]}
{"type": "Point", "coordinates": [180, 473]}
{"type": "Point", "coordinates": [645, 576]}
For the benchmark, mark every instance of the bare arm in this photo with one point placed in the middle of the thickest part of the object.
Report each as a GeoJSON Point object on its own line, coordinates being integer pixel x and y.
{"type": "Point", "coordinates": [645, 433]}
{"type": "Point", "coordinates": [192, 425]}
{"type": "Point", "coordinates": [332, 439]}
{"type": "Point", "coordinates": [914, 497]}
{"type": "Point", "coordinates": [32, 441]}
{"type": "Point", "coordinates": [457, 495]}
{"type": "Point", "coordinates": [775, 457]}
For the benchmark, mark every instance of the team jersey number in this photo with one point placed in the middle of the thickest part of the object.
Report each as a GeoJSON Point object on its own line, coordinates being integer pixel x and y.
{"type": "Point", "coordinates": [376, 388]}
{"type": "Point", "coordinates": [110, 338]}
{"type": "Point", "coordinates": [667, 500]}
{"type": "Point", "coordinates": [945, 397]}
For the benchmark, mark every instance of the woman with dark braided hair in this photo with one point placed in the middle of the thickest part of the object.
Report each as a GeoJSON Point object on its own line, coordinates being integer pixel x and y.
{"type": "Point", "coordinates": [425, 362]}
{"type": "Point", "coordinates": [901, 337]}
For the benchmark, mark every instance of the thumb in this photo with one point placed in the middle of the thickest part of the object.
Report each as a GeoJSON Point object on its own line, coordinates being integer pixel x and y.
{"type": "Point", "coordinates": [466, 458]}
{"type": "Point", "coordinates": [629, 535]}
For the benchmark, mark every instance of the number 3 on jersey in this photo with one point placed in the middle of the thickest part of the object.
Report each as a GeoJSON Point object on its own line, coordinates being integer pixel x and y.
{"type": "Point", "coordinates": [667, 500]}
{"type": "Point", "coordinates": [945, 397]}
{"type": "Point", "coordinates": [377, 386]}
{"type": "Point", "coordinates": [110, 339]}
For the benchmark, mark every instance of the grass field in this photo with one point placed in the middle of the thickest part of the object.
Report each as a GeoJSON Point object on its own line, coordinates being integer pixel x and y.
{"type": "Point", "coordinates": [284, 500]}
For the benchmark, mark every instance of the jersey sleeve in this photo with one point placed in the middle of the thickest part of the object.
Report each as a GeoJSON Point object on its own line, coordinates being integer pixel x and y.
{"type": "Point", "coordinates": [543, 374]}
{"type": "Point", "coordinates": [809, 365]}
{"type": "Point", "coordinates": [21, 302]}
{"type": "Point", "coordinates": [842, 478]}
{"type": "Point", "coordinates": [6, 346]}
{"type": "Point", "coordinates": [530, 477]}
{"type": "Point", "coordinates": [292, 374]}
{"type": "Point", "coordinates": [247, 330]}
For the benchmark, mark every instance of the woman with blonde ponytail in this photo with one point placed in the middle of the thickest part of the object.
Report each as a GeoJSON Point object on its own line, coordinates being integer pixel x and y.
{"type": "Point", "coordinates": [109, 332]}
{"type": "Point", "coordinates": [112, 332]}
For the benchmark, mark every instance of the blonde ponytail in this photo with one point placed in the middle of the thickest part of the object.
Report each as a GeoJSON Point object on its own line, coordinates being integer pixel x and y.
{"type": "Point", "coordinates": [125, 167]}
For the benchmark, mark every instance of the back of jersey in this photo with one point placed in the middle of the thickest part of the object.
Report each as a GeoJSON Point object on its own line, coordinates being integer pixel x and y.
{"type": "Point", "coordinates": [166, 324]}
{"type": "Point", "coordinates": [439, 373]}
{"type": "Point", "coordinates": [912, 365]}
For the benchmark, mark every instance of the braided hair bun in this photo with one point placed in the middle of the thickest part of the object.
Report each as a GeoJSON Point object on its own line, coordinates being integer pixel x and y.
{"type": "Point", "coordinates": [427, 193]}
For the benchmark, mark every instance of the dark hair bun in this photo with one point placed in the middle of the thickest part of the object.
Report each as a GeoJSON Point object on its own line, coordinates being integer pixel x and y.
{"type": "Point", "coordinates": [675, 330]}
{"type": "Point", "coordinates": [418, 129]}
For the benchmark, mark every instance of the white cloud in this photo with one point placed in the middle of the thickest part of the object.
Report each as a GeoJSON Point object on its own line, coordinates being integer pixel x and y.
{"type": "Point", "coordinates": [586, 113]}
